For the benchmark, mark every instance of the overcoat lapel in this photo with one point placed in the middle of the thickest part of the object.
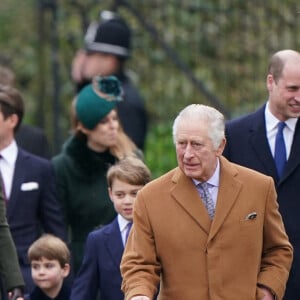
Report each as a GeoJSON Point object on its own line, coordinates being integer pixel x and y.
{"type": "Point", "coordinates": [227, 195]}
{"type": "Point", "coordinates": [186, 194]}
{"type": "Point", "coordinates": [229, 189]}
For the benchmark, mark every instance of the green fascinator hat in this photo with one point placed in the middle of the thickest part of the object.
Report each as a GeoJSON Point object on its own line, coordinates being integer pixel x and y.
{"type": "Point", "coordinates": [97, 99]}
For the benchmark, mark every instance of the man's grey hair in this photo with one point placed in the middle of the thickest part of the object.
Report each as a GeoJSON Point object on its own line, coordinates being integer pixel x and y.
{"type": "Point", "coordinates": [199, 113]}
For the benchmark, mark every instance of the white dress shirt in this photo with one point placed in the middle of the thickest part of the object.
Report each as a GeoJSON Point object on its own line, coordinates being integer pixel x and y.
{"type": "Point", "coordinates": [123, 227]}
{"type": "Point", "coordinates": [213, 183]}
{"type": "Point", "coordinates": [271, 129]}
{"type": "Point", "coordinates": [7, 166]}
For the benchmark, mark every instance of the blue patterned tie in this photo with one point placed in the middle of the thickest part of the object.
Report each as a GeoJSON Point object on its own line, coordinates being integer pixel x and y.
{"type": "Point", "coordinates": [129, 225]}
{"type": "Point", "coordinates": [280, 151]}
{"type": "Point", "coordinates": [206, 198]}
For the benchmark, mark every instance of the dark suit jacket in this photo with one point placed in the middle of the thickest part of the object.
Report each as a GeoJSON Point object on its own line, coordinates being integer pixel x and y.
{"type": "Point", "coordinates": [11, 275]}
{"type": "Point", "coordinates": [100, 269]}
{"type": "Point", "coordinates": [33, 140]}
{"type": "Point", "coordinates": [32, 207]}
{"type": "Point", "coordinates": [247, 145]}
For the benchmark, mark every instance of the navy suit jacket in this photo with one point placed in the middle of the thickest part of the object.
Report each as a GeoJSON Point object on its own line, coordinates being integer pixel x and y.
{"type": "Point", "coordinates": [33, 207]}
{"type": "Point", "coordinates": [100, 269]}
{"type": "Point", "coordinates": [247, 145]}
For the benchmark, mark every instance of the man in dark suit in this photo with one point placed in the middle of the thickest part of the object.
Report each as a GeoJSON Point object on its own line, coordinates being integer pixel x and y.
{"type": "Point", "coordinates": [11, 276]}
{"type": "Point", "coordinates": [29, 185]}
{"type": "Point", "coordinates": [251, 142]}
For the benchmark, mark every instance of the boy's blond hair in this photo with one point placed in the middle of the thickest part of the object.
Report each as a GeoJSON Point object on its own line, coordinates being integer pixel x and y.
{"type": "Point", "coordinates": [131, 170]}
{"type": "Point", "coordinates": [50, 247]}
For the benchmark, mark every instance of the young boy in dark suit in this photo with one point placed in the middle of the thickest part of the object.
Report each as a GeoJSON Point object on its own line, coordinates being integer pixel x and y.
{"type": "Point", "coordinates": [100, 269]}
{"type": "Point", "coordinates": [50, 265]}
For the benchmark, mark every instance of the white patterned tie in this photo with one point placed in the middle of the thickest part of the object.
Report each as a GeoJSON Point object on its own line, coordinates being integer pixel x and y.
{"type": "Point", "coordinates": [206, 198]}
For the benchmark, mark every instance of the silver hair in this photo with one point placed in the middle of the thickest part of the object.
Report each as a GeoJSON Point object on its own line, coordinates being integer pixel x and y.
{"type": "Point", "coordinates": [199, 112]}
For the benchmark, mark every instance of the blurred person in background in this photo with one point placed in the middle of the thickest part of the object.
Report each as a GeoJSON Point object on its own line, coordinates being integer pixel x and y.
{"type": "Point", "coordinates": [30, 138]}
{"type": "Point", "coordinates": [98, 142]}
{"type": "Point", "coordinates": [107, 47]}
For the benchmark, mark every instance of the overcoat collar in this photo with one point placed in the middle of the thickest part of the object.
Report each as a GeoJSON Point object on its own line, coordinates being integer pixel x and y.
{"type": "Point", "coordinates": [227, 195]}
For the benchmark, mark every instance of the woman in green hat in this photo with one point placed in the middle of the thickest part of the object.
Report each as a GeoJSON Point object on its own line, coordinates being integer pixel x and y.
{"type": "Point", "coordinates": [98, 142]}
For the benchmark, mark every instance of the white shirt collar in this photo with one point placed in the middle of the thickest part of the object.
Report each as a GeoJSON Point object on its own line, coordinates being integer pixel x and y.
{"type": "Point", "coordinates": [272, 121]}
{"type": "Point", "coordinates": [10, 153]}
{"type": "Point", "coordinates": [122, 223]}
{"type": "Point", "coordinates": [215, 178]}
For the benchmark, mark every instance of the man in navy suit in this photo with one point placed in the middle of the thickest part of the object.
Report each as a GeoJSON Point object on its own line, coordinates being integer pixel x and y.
{"type": "Point", "coordinates": [29, 185]}
{"type": "Point", "coordinates": [100, 269]}
{"type": "Point", "coordinates": [251, 142]}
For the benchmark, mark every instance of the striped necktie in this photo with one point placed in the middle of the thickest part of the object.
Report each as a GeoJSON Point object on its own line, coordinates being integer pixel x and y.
{"type": "Point", "coordinates": [206, 198]}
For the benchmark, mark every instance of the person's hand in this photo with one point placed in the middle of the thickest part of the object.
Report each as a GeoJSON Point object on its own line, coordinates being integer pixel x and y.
{"type": "Point", "coordinates": [268, 294]}
{"type": "Point", "coordinates": [141, 297]}
{"type": "Point", "coordinates": [16, 294]}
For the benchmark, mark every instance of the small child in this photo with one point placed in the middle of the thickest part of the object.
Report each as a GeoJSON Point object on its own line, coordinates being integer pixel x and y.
{"type": "Point", "coordinates": [100, 269]}
{"type": "Point", "coordinates": [50, 265]}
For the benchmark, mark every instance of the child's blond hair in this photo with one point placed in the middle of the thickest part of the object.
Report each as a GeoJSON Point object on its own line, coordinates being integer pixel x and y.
{"type": "Point", "coordinates": [131, 170]}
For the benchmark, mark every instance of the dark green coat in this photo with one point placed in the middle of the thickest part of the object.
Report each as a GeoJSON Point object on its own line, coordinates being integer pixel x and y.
{"type": "Point", "coordinates": [82, 190]}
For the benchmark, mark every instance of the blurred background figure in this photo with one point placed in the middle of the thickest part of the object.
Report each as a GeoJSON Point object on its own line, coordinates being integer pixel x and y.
{"type": "Point", "coordinates": [30, 138]}
{"type": "Point", "coordinates": [98, 142]}
{"type": "Point", "coordinates": [107, 46]}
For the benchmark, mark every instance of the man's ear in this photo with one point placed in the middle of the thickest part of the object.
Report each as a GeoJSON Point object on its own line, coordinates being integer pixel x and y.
{"type": "Point", "coordinates": [13, 120]}
{"type": "Point", "coordinates": [269, 82]}
{"type": "Point", "coordinates": [221, 147]}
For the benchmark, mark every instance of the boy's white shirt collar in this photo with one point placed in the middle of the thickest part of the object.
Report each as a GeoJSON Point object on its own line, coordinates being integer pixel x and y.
{"type": "Point", "coordinates": [122, 223]}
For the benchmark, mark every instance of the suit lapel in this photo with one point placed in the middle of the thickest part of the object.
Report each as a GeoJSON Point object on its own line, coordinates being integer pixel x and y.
{"type": "Point", "coordinates": [294, 158]}
{"type": "Point", "coordinates": [259, 143]}
{"type": "Point", "coordinates": [186, 194]}
{"type": "Point", "coordinates": [18, 178]}
{"type": "Point", "coordinates": [113, 242]}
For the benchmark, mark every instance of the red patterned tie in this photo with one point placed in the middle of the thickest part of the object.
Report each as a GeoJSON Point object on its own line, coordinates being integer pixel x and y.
{"type": "Point", "coordinates": [2, 184]}
{"type": "Point", "coordinates": [2, 189]}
